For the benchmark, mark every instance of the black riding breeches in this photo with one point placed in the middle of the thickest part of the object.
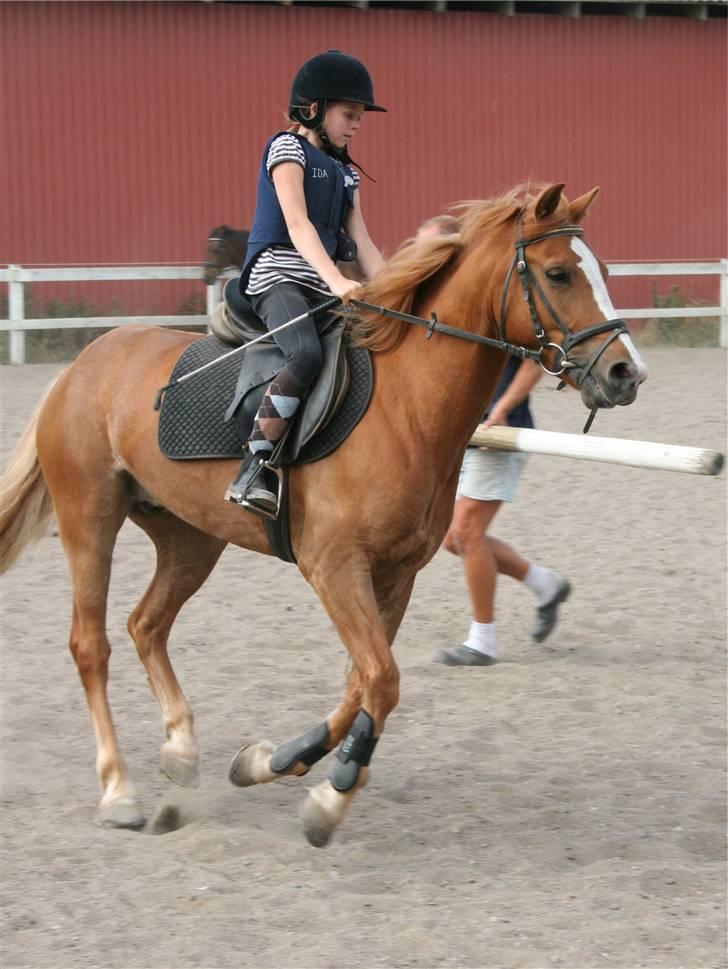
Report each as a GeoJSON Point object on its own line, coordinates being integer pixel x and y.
{"type": "Point", "coordinates": [300, 343]}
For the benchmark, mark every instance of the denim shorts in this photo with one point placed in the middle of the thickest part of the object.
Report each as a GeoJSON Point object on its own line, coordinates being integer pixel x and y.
{"type": "Point", "coordinates": [490, 475]}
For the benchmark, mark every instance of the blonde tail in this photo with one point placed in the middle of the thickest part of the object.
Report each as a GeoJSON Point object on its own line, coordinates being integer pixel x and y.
{"type": "Point", "coordinates": [25, 504]}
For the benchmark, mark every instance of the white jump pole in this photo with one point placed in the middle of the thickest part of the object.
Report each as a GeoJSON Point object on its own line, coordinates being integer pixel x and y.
{"type": "Point", "coordinates": [613, 450]}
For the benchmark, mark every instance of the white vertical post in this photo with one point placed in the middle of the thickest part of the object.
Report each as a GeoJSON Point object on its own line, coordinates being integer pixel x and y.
{"type": "Point", "coordinates": [213, 297]}
{"type": "Point", "coordinates": [16, 306]}
{"type": "Point", "coordinates": [724, 303]}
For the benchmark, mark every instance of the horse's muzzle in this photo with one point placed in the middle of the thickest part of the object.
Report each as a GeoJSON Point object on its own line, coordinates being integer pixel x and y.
{"type": "Point", "coordinates": [613, 384]}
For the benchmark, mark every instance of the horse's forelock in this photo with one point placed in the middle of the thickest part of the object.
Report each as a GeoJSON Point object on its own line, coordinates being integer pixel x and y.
{"type": "Point", "coordinates": [483, 216]}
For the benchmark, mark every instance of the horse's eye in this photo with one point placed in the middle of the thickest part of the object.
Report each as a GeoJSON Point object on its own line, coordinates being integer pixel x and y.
{"type": "Point", "coordinates": [558, 275]}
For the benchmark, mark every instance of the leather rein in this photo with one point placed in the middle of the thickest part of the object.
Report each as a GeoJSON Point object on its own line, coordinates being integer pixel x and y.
{"type": "Point", "coordinates": [529, 283]}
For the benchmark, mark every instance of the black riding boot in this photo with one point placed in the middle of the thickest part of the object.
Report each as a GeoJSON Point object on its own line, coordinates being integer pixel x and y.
{"type": "Point", "coordinates": [253, 485]}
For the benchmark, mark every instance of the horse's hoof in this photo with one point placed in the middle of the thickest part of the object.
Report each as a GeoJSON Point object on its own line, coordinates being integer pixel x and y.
{"type": "Point", "coordinates": [251, 765]}
{"type": "Point", "coordinates": [180, 770]}
{"type": "Point", "coordinates": [317, 827]}
{"type": "Point", "coordinates": [125, 813]}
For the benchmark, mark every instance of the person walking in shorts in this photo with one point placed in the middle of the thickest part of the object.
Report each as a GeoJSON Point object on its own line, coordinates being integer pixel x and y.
{"type": "Point", "coordinates": [487, 479]}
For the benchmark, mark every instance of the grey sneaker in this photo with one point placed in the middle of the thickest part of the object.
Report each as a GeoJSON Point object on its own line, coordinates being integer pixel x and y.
{"type": "Point", "coordinates": [462, 655]}
{"type": "Point", "coordinates": [546, 616]}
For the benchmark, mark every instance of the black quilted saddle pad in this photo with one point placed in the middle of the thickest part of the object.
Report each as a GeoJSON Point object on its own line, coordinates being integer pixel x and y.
{"type": "Point", "coordinates": [191, 425]}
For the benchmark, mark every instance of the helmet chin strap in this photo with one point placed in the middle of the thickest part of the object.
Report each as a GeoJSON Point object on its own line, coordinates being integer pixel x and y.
{"type": "Point", "coordinates": [341, 154]}
{"type": "Point", "coordinates": [317, 124]}
{"type": "Point", "coordinates": [330, 148]}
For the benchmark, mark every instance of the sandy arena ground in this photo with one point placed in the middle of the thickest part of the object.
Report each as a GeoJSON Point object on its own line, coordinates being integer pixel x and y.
{"type": "Point", "coordinates": [563, 808]}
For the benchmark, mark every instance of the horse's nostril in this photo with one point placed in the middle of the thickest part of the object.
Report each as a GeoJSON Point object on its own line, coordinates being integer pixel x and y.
{"type": "Point", "coordinates": [620, 373]}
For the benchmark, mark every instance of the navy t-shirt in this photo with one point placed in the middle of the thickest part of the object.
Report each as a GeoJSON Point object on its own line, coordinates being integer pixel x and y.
{"type": "Point", "coordinates": [520, 415]}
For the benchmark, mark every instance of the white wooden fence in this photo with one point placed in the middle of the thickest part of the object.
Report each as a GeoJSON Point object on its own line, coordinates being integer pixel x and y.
{"type": "Point", "coordinates": [17, 276]}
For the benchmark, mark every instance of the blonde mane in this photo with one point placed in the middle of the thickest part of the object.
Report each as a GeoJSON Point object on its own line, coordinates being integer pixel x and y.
{"type": "Point", "coordinates": [398, 285]}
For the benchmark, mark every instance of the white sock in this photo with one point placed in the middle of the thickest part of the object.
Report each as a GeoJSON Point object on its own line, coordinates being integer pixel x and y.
{"type": "Point", "coordinates": [544, 583]}
{"type": "Point", "coordinates": [482, 638]}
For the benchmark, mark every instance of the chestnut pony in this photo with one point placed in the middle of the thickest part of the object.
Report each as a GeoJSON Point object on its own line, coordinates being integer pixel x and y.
{"type": "Point", "coordinates": [364, 520]}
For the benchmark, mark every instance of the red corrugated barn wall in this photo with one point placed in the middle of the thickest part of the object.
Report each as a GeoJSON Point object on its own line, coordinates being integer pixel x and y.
{"type": "Point", "coordinates": [132, 128]}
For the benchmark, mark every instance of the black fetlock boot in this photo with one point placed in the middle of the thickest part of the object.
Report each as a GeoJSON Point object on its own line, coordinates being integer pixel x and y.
{"type": "Point", "coordinates": [253, 485]}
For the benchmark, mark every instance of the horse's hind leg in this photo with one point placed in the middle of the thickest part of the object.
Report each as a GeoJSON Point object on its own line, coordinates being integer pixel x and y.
{"type": "Point", "coordinates": [185, 558]}
{"type": "Point", "coordinates": [88, 525]}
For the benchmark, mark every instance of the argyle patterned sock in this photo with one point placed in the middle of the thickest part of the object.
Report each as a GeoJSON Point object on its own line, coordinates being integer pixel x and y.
{"type": "Point", "coordinates": [280, 402]}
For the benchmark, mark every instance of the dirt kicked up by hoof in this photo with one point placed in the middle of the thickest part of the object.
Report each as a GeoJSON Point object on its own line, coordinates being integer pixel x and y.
{"type": "Point", "coordinates": [122, 814]}
{"type": "Point", "coordinates": [166, 820]}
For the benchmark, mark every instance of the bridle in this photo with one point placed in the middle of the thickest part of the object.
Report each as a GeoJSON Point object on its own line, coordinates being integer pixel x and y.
{"type": "Point", "coordinates": [528, 283]}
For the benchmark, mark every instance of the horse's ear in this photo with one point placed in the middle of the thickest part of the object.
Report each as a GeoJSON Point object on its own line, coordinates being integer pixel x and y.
{"type": "Point", "coordinates": [579, 207]}
{"type": "Point", "coordinates": [548, 201]}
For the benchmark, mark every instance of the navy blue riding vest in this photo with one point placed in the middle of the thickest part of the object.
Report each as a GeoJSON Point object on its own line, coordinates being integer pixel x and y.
{"type": "Point", "coordinates": [328, 200]}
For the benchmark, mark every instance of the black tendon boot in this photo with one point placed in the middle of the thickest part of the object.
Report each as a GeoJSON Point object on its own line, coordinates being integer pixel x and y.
{"type": "Point", "coordinates": [252, 486]}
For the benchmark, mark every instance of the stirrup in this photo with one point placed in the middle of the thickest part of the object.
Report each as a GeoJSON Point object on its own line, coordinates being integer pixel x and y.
{"type": "Point", "coordinates": [258, 499]}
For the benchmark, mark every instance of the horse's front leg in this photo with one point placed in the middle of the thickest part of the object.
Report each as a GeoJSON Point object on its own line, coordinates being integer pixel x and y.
{"type": "Point", "coordinates": [263, 762]}
{"type": "Point", "coordinates": [367, 622]}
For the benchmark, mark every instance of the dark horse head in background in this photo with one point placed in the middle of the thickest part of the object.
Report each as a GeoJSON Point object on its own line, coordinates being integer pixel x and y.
{"type": "Point", "coordinates": [225, 250]}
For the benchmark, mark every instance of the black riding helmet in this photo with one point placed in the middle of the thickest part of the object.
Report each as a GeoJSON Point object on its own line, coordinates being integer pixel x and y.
{"type": "Point", "coordinates": [331, 76]}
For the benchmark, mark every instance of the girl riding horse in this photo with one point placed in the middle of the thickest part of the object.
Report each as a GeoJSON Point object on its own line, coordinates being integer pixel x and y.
{"type": "Point", "coordinates": [308, 192]}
